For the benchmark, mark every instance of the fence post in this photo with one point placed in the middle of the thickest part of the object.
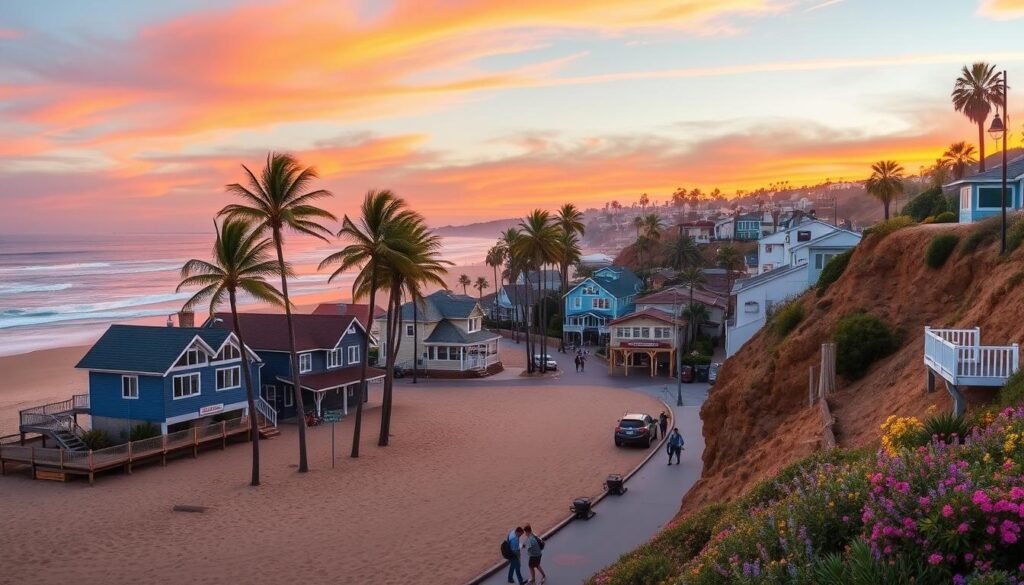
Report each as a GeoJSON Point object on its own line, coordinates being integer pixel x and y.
{"type": "Point", "coordinates": [61, 458]}
{"type": "Point", "coordinates": [92, 469]}
{"type": "Point", "coordinates": [163, 450]}
{"type": "Point", "coordinates": [129, 465]}
{"type": "Point", "coordinates": [223, 434]}
{"type": "Point", "coordinates": [195, 442]}
{"type": "Point", "coordinates": [32, 456]}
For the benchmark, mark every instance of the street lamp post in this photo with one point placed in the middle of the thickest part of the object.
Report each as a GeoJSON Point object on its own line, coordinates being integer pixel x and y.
{"type": "Point", "coordinates": [998, 130]}
{"type": "Point", "coordinates": [679, 353]}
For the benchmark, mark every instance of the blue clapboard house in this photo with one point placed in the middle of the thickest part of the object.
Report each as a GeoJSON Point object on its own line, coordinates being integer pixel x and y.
{"type": "Point", "coordinates": [330, 351]}
{"type": "Point", "coordinates": [172, 377]}
{"type": "Point", "coordinates": [979, 193]}
{"type": "Point", "coordinates": [604, 296]}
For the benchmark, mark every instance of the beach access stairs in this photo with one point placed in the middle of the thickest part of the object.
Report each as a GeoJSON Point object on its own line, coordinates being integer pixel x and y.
{"type": "Point", "coordinates": [57, 421]}
{"type": "Point", "coordinates": [957, 356]}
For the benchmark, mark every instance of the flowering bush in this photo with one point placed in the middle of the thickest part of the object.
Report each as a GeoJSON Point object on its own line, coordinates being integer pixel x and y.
{"type": "Point", "coordinates": [900, 432]}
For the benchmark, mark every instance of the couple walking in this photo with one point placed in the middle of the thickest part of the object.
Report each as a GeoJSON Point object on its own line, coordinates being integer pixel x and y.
{"type": "Point", "coordinates": [511, 550]}
{"type": "Point", "coordinates": [581, 362]}
{"type": "Point", "coordinates": [674, 444]}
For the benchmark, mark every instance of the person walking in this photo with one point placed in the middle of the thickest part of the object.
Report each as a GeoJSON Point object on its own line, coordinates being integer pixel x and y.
{"type": "Point", "coordinates": [577, 361]}
{"type": "Point", "coordinates": [675, 445]}
{"type": "Point", "coordinates": [534, 550]}
{"type": "Point", "coordinates": [663, 423]}
{"type": "Point", "coordinates": [514, 554]}
{"type": "Point", "coordinates": [583, 363]}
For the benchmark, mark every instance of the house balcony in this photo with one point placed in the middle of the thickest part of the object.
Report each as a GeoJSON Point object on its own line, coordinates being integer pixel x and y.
{"type": "Point", "coordinates": [958, 357]}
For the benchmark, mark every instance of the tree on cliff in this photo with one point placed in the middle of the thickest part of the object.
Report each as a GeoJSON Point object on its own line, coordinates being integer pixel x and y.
{"type": "Point", "coordinates": [885, 182]}
{"type": "Point", "coordinates": [974, 93]}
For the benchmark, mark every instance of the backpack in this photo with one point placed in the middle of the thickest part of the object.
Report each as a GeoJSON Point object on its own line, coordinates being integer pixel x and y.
{"type": "Point", "coordinates": [540, 542]}
{"type": "Point", "coordinates": [506, 549]}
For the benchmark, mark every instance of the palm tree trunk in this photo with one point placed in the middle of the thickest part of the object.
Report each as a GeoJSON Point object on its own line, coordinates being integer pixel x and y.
{"type": "Point", "coordinates": [394, 340]}
{"type": "Point", "coordinates": [885, 205]}
{"type": "Point", "coordinates": [254, 428]}
{"type": "Point", "coordinates": [528, 324]}
{"type": "Point", "coordinates": [363, 389]}
{"type": "Point", "coordinates": [296, 385]}
{"type": "Point", "coordinates": [415, 340]}
{"type": "Point", "coordinates": [981, 146]}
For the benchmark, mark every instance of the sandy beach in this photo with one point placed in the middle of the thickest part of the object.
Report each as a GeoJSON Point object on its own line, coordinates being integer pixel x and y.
{"type": "Point", "coordinates": [465, 463]}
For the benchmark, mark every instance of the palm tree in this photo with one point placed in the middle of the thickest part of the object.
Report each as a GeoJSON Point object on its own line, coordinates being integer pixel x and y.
{"type": "Point", "coordinates": [652, 226]}
{"type": "Point", "coordinates": [885, 182]}
{"type": "Point", "coordinates": [570, 222]}
{"type": "Point", "coordinates": [729, 258]}
{"type": "Point", "coordinates": [974, 93]}
{"type": "Point", "coordinates": [959, 158]}
{"type": "Point", "coordinates": [537, 246]}
{"type": "Point", "coordinates": [481, 285]}
{"type": "Point", "coordinates": [373, 244]}
{"type": "Point", "coordinates": [938, 174]}
{"type": "Point", "coordinates": [464, 281]}
{"type": "Point", "coordinates": [682, 252]}
{"type": "Point", "coordinates": [692, 278]}
{"type": "Point", "coordinates": [509, 242]}
{"type": "Point", "coordinates": [277, 200]}
{"type": "Point", "coordinates": [696, 314]}
{"type": "Point", "coordinates": [241, 263]}
{"type": "Point", "coordinates": [644, 200]}
{"type": "Point", "coordinates": [638, 223]}
{"type": "Point", "coordinates": [495, 258]}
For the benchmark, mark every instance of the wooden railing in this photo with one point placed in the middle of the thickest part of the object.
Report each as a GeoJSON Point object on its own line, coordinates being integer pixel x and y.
{"type": "Point", "coordinates": [263, 407]}
{"type": "Point", "coordinates": [33, 416]}
{"type": "Point", "coordinates": [89, 462]}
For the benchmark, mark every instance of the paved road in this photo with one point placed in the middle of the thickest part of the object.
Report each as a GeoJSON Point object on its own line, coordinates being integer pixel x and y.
{"type": "Point", "coordinates": [622, 523]}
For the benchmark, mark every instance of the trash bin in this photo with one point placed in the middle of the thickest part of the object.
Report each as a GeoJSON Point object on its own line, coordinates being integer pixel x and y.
{"type": "Point", "coordinates": [702, 373]}
{"type": "Point", "coordinates": [581, 508]}
{"type": "Point", "coordinates": [686, 374]}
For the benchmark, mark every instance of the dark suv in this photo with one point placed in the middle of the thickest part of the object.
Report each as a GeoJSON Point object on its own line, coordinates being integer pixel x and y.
{"type": "Point", "coordinates": [636, 429]}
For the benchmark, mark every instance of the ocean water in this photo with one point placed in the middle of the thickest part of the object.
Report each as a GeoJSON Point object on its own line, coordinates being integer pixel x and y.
{"type": "Point", "coordinates": [65, 290]}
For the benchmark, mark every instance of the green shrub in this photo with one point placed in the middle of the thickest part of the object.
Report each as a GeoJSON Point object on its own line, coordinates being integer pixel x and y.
{"type": "Point", "coordinates": [696, 360]}
{"type": "Point", "coordinates": [787, 318]}
{"type": "Point", "coordinates": [1013, 393]}
{"type": "Point", "coordinates": [144, 430]}
{"type": "Point", "coordinates": [984, 231]}
{"type": "Point", "coordinates": [945, 427]}
{"type": "Point", "coordinates": [833, 270]}
{"type": "Point", "coordinates": [1014, 236]}
{"type": "Point", "coordinates": [947, 217]}
{"type": "Point", "coordinates": [939, 250]}
{"type": "Point", "coordinates": [860, 566]}
{"type": "Point", "coordinates": [641, 570]}
{"type": "Point", "coordinates": [230, 415]}
{"type": "Point", "coordinates": [884, 228]}
{"type": "Point", "coordinates": [861, 340]}
{"type": "Point", "coordinates": [96, 439]}
{"type": "Point", "coordinates": [930, 202]}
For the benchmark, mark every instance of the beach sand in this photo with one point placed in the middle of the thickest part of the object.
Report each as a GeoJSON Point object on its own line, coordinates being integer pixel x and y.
{"type": "Point", "coordinates": [431, 508]}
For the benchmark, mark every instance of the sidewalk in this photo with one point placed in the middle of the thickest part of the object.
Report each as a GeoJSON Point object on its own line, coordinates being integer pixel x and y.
{"type": "Point", "coordinates": [622, 523]}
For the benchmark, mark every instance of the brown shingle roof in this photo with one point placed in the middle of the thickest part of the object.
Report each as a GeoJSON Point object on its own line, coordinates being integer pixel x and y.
{"type": "Point", "coordinates": [651, 314]}
{"type": "Point", "coordinates": [266, 331]}
{"type": "Point", "coordinates": [335, 378]}
{"type": "Point", "coordinates": [357, 310]}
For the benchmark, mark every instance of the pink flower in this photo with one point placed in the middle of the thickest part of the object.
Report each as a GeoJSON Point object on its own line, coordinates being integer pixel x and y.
{"type": "Point", "coordinates": [925, 501]}
{"type": "Point", "coordinates": [947, 511]}
{"type": "Point", "coordinates": [963, 528]}
{"type": "Point", "coordinates": [934, 559]}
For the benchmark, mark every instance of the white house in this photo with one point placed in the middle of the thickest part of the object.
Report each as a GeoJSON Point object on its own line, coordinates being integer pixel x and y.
{"type": "Point", "coordinates": [774, 251]}
{"type": "Point", "coordinates": [801, 259]}
{"type": "Point", "coordinates": [725, 228]}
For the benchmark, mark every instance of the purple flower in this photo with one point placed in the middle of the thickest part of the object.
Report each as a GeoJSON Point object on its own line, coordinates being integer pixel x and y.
{"type": "Point", "coordinates": [934, 559]}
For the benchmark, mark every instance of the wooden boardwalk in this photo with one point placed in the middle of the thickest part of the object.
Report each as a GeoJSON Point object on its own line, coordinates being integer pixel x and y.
{"type": "Point", "coordinates": [48, 463]}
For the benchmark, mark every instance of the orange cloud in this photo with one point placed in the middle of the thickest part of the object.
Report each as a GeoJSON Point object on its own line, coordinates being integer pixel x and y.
{"type": "Point", "coordinates": [1002, 9]}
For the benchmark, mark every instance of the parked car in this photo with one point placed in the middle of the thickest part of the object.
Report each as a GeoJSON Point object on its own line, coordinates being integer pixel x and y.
{"type": "Point", "coordinates": [713, 373]}
{"type": "Point", "coordinates": [399, 372]}
{"type": "Point", "coordinates": [538, 360]}
{"type": "Point", "coordinates": [636, 429]}
{"type": "Point", "coordinates": [686, 374]}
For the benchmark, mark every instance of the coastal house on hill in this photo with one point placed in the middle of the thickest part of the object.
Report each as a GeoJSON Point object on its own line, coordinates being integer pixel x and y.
{"type": "Point", "coordinates": [446, 332]}
{"type": "Point", "coordinates": [330, 355]}
{"type": "Point", "coordinates": [607, 294]}
{"type": "Point", "coordinates": [168, 376]}
{"type": "Point", "coordinates": [790, 246]}
{"type": "Point", "coordinates": [756, 298]}
{"type": "Point", "coordinates": [979, 193]}
{"type": "Point", "coordinates": [509, 302]}
{"type": "Point", "coordinates": [673, 300]}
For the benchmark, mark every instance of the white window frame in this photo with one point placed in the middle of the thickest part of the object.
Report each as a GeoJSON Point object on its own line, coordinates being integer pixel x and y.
{"type": "Point", "coordinates": [334, 359]}
{"type": "Point", "coordinates": [198, 385]}
{"type": "Point", "coordinates": [201, 358]}
{"type": "Point", "coordinates": [135, 386]}
{"type": "Point", "coordinates": [308, 367]}
{"type": "Point", "coordinates": [577, 302]}
{"type": "Point", "coordinates": [409, 330]}
{"type": "Point", "coordinates": [751, 307]}
{"type": "Point", "coordinates": [289, 397]}
{"type": "Point", "coordinates": [229, 347]}
{"type": "Point", "coordinates": [267, 389]}
{"type": "Point", "coordinates": [353, 355]}
{"type": "Point", "coordinates": [965, 198]}
{"type": "Point", "coordinates": [237, 376]}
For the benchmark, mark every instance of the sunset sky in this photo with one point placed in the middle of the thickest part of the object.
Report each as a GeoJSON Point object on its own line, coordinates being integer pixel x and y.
{"type": "Point", "coordinates": [131, 116]}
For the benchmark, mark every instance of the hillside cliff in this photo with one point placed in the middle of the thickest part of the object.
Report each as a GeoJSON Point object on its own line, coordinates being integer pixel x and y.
{"type": "Point", "coordinates": [756, 419]}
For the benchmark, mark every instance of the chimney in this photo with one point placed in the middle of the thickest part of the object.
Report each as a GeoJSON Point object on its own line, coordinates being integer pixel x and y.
{"type": "Point", "coordinates": [186, 319]}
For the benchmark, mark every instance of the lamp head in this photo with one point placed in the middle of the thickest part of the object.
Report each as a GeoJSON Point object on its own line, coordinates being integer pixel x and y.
{"type": "Point", "coordinates": [997, 128]}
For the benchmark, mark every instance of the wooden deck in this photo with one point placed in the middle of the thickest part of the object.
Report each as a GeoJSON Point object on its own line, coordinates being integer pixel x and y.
{"type": "Point", "coordinates": [958, 357]}
{"type": "Point", "coordinates": [47, 463]}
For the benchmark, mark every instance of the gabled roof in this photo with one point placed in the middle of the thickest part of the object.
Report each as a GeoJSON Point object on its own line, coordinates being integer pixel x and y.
{"type": "Point", "coordinates": [1014, 171]}
{"type": "Point", "coordinates": [447, 332]}
{"type": "Point", "coordinates": [147, 349]}
{"type": "Point", "coordinates": [443, 304]}
{"type": "Point", "coordinates": [656, 314]}
{"type": "Point", "coordinates": [771, 239]}
{"type": "Point", "coordinates": [748, 283]}
{"type": "Point", "coordinates": [615, 280]}
{"type": "Point", "coordinates": [269, 331]}
{"type": "Point", "coordinates": [682, 296]}
{"type": "Point", "coordinates": [839, 232]}
{"type": "Point", "coordinates": [516, 293]}
{"type": "Point", "coordinates": [357, 310]}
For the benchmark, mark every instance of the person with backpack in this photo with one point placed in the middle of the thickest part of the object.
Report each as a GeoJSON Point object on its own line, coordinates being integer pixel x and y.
{"type": "Point", "coordinates": [663, 423]}
{"type": "Point", "coordinates": [675, 445]}
{"type": "Point", "coordinates": [534, 550]}
{"type": "Point", "coordinates": [511, 550]}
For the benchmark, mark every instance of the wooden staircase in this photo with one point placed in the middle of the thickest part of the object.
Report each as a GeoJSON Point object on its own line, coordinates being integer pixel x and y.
{"type": "Point", "coordinates": [68, 440]}
{"type": "Point", "coordinates": [268, 431]}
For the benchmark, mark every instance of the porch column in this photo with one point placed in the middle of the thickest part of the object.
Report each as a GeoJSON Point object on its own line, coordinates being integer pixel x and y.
{"type": "Point", "coordinates": [626, 356]}
{"type": "Point", "coordinates": [344, 399]}
{"type": "Point", "coordinates": [318, 398]}
{"type": "Point", "coordinates": [462, 359]}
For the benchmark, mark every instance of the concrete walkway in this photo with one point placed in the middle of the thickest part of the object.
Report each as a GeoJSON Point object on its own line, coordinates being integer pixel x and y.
{"type": "Point", "coordinates": [622, 523]}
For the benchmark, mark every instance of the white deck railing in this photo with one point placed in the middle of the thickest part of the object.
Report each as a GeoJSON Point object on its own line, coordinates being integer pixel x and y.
{"type": "Point", "coordinates": [263, 407]}
{"type": "Point", "coordinates": [958, 356]}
